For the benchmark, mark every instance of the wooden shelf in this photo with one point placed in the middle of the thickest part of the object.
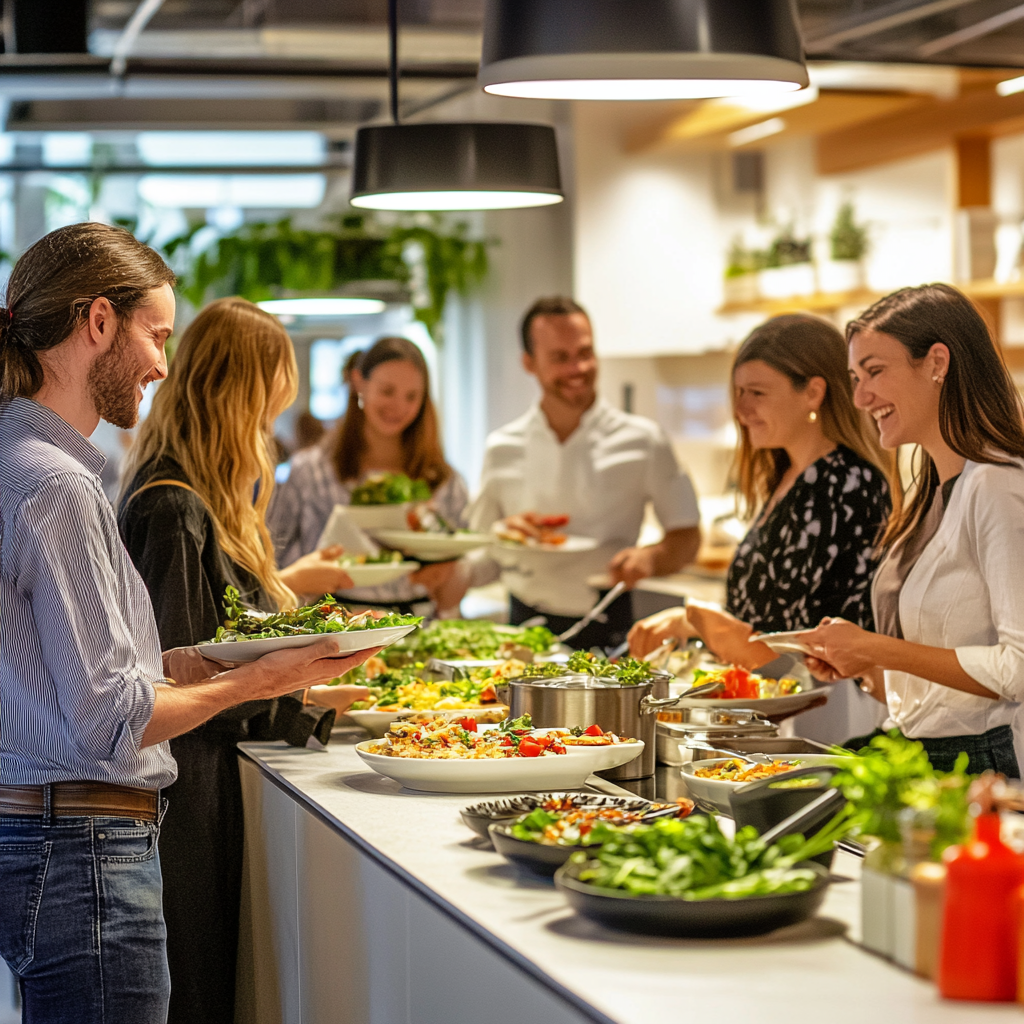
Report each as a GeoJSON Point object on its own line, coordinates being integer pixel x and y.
{"type": "Point", "coordinates": [829, 302]}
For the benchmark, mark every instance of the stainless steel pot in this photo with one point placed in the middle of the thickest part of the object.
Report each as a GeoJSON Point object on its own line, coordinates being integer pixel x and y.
{"type": "Point", "coordinates": [581, 700]}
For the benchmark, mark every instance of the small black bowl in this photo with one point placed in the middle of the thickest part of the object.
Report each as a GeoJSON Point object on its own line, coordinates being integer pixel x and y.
{"type": "Point", "coordinates": [479, 817]}
{"type": "Point", "coordinates": [540, 858]}
{"type": "Point", "coordinates": [698, 919]}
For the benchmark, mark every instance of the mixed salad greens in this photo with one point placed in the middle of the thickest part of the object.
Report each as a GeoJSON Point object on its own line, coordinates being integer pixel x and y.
{"type": "Point", "coordinates": [694, 860]}
{"type": "Point", "coordinates": [467, 639]}
{"type": "Point", "coordinates": [389, 489]}
{"type": "Point", "coordinates": [326, 616]}
{"type": "Point", "coordinates": [741, 684]}
{"type": "Point", "coordinates": [400, 689]}
{"type": "Point", "coordinates": [625, 671]}
{"type": "Point", "coordinates": [383, 557]}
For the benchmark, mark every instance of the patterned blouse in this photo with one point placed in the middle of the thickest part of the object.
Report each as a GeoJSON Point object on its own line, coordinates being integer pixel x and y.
{"type": "Point", "coordinates": [813, 555]}
{"type": "Point", "coordinates": [302, 505]}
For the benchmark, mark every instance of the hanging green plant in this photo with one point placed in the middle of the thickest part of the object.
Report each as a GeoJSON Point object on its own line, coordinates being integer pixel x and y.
{"type": "Point", "coordinates": [262, 261]}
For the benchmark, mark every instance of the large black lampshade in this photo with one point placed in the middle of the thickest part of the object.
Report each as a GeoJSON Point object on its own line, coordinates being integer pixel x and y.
{"type": "Point", "coordinates": [460, 166]}
{"type": "Point", "coordinates": [640, 49]}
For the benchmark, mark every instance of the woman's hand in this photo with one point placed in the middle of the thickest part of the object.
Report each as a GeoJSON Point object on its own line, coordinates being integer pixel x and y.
{"type": "Point", "coordinates": [840, 650]}
{"type": "Point", "coordinates": [340, 697]}
{"type": "Point", "coordinates": [727, 637]}
{"type": "Point", "coordinates": [318, 572]}
{"type": "Point", "coordinates": [445, 582]}
{"type": "Point", "coordinates": [649, 634]}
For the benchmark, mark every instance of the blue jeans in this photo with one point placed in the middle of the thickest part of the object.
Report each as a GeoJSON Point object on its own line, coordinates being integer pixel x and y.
{"type": "Point", "coordinates": [81, 921]}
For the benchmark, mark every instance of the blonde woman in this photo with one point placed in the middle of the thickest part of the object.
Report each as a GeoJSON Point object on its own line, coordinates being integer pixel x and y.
{"type": "Point", "coordinates": [196, 488]}
{"type": "Point", "coordinates": [809, 473]}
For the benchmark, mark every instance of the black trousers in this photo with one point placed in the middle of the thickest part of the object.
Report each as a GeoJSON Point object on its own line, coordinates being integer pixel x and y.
{"type": "Point", "coordinates": [607, 634]}
{"type": "Point", "coordinates": [992, 750]}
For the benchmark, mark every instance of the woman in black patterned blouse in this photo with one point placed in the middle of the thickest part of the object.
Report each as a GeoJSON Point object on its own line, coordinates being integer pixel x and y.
{"type": "Point", "coordinates": [808, 470]}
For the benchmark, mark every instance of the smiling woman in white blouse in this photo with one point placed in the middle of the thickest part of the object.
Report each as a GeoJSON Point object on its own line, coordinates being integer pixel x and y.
{"type": "Point", "coordinates": [948, 600]}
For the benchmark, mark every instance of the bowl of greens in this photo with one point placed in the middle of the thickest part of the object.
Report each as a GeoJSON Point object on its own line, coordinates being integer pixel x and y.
{"type": "Point", "coordinates": [248, 635]}
{"type": "Point", "coordinates": [687, 878]}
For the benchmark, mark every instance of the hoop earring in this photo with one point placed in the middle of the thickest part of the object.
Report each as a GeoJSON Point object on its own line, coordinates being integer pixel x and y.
{"type": "Point", "coordinates": [812, 417]}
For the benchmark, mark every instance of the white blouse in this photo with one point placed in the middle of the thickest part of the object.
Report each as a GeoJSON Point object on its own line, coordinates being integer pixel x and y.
{"type": "Point", "coordinates": [967, 592]}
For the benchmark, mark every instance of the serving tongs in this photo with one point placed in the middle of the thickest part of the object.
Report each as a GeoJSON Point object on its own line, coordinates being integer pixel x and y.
{"type": "Point", "coordinates": [594, 613]}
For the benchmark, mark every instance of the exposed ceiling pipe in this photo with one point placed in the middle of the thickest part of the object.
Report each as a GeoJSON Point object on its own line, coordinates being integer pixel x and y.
{"type": "Point", "coordinates": [126, 41]}
{"type": "Point", "coordinates": [881, 19]}
{"type": "Point", "coordinates": [975, 31]}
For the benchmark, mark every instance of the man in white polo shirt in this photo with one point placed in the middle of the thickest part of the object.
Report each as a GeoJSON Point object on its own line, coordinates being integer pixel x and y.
{"type": "Point", "coordinates": [574, 454]}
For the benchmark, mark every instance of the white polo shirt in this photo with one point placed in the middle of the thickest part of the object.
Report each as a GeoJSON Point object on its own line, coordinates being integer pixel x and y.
{"type": "Point", "coordinates": [602, 477]}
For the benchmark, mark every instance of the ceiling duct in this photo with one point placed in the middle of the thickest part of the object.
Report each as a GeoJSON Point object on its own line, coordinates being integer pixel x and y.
{"type": "Point", "coordinates": [46, 26]}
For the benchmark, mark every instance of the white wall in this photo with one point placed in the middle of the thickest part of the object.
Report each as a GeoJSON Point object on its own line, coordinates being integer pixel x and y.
{"type": "Point", "coordinates": [652, 229]}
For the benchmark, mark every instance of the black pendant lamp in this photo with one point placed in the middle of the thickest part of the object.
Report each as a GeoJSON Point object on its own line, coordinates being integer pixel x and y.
{"type": "Point", "coordinates": [452, 166]}
{"type": "Point", "coordinates": [640, 49]}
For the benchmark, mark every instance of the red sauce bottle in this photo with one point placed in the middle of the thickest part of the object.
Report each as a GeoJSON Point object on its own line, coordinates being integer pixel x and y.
{"type": "Point", "coordinates": [978, 958]}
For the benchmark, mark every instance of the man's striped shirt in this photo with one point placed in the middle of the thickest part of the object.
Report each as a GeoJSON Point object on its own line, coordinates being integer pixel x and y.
{"type": "Point", "coordinates": [79, 649]}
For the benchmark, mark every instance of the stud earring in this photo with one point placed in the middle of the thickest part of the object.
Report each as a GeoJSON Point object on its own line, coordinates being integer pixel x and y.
{"type": "Point", "coordinates": [812, 417]}
{"type": "Point", "coordinates": [939, 380]}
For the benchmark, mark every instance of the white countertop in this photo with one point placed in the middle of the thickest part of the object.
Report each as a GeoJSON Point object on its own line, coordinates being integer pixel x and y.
{"type": "Point", "coordinates": [806, 974]}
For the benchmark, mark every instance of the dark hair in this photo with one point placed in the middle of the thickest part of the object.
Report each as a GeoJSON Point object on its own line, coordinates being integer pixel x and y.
{"type": "Point", "coordinates": [801, 347]}
{"type": "Point", "coordinates": [424, 459]}
{"type": "Point", "coordinates": [552, 305]}
{"type": "Point", "coordinates": [980, 414]}
{"type": "Point", "coordinates": [53, 285]}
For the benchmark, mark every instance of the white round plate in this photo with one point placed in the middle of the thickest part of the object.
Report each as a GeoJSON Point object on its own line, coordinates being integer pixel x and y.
{"type": "Point", "coordinates": [376, 723]}
{"type": "Point", "coordinates": [573, 546]}
{"type": "Point", "coordinates": [431, 547]}
{"type": "Point", "coordinates": [716, 791]}
{"type": "Point", "coordinates": [241, 652]}
{"type": "Point", "coordinates": [375, 574]}
{"type": "Point", "coordinates": [763, 705]}
{"type": "Point", "coordinates": [379, 517]}
{"type": "Point", "coordinates": [505, 775]}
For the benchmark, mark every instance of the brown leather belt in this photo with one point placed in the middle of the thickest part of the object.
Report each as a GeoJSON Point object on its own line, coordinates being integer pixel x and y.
{"type": "Point", "coordinates": [82, 799]}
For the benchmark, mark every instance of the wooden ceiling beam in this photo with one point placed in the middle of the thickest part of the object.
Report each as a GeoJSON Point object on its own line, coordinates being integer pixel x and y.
{"type": "Point", "coordinates": [928, 126]}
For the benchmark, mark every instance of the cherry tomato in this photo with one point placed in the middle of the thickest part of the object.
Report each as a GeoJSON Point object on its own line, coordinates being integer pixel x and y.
{"type": "Point", "coordinates": [529, 747]}
{"type": "Point", "coordinates": [594, 730]}
{"type": "Point", "coordinates": [468, 723]}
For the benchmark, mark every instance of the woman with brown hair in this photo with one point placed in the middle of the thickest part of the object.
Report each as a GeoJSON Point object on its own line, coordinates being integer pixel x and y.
{"type": "Point", "coordinates": [390, 426]}
{"type": "Point", "coordinates": [948, 601]}
{"type": "Point", "coordinates": [192, 526]}
{"type": "Point", "coordinates": [808, 472]}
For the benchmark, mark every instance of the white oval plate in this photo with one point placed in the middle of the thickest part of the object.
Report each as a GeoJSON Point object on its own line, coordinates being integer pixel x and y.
{"type": "Point", "coordinates": [379, 517]}
{"type": "Point", "coordinates": [573, 546]}
{"type": "Point", "coordinates": [507, 775]}
{"type": "Point", "coordinates": [375, 574]}
{"type": "Point", "coordinates": [763, 705]}
{"type": "Point", "coordinates": [242, 652]}
{"type": "Point", "coordinates": [378, 722]}
{"type": "Point", "coordinates": [716, 791]}
{"type": "Point", "coordinates": [431, 547]}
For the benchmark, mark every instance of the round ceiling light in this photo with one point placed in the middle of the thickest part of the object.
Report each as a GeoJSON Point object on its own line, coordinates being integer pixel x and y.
{"type": "Point", "coordinates": [640, 49]}
{"type": "Point", "coordinates": [338, 305]}
{"type": "Point", "coordinates": [455, 166]}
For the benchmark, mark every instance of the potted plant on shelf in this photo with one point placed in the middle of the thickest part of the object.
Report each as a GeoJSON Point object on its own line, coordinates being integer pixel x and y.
{"type": "Point", "coordinates": [848, 245]}
{"type": "Point", "coordinates": [741, 284]}
{"type": "Point", "coordinates": [787, 269]}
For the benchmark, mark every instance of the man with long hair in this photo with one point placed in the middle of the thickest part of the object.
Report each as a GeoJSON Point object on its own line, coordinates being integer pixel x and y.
{"type": "Point", "coordinates": [576, 455]}
{"type": "Point", "coordinates": [87, 702]}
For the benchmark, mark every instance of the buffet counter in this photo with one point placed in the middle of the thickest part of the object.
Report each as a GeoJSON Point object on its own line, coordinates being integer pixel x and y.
{"type": "Point", "coordinates": [366, 903]}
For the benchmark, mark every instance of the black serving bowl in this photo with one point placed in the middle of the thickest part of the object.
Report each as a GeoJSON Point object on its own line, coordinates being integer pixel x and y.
{"type": "Point", "coordinates": [540, 858]}
{"type": "Point", "coordinates": [479, 817]}
{"type": "Point", "coordinates": [698, 919]}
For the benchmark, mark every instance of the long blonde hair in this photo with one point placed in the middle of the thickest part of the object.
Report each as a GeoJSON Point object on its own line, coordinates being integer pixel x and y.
{"type": "Point", "coordinates": [801, 347]}
{"type": "Point", "coordinates": [233, 369]}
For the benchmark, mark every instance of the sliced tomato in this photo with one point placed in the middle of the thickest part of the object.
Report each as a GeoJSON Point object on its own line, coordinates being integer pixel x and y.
{"type": "Point", "coordinates": [593, 730]}
{"type": "Point", "coordinates": [740, 683]}
{"type": "Point", "coordinates": [468, 723]}
{"type": "Point", "coordinates": [529, 747]}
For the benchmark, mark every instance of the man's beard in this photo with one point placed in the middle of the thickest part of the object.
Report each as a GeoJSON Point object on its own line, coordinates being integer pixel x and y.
{"type": "Point", "coordinates": [113, 382]}
{"type": "Point", "coordinates": [581, 399]}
